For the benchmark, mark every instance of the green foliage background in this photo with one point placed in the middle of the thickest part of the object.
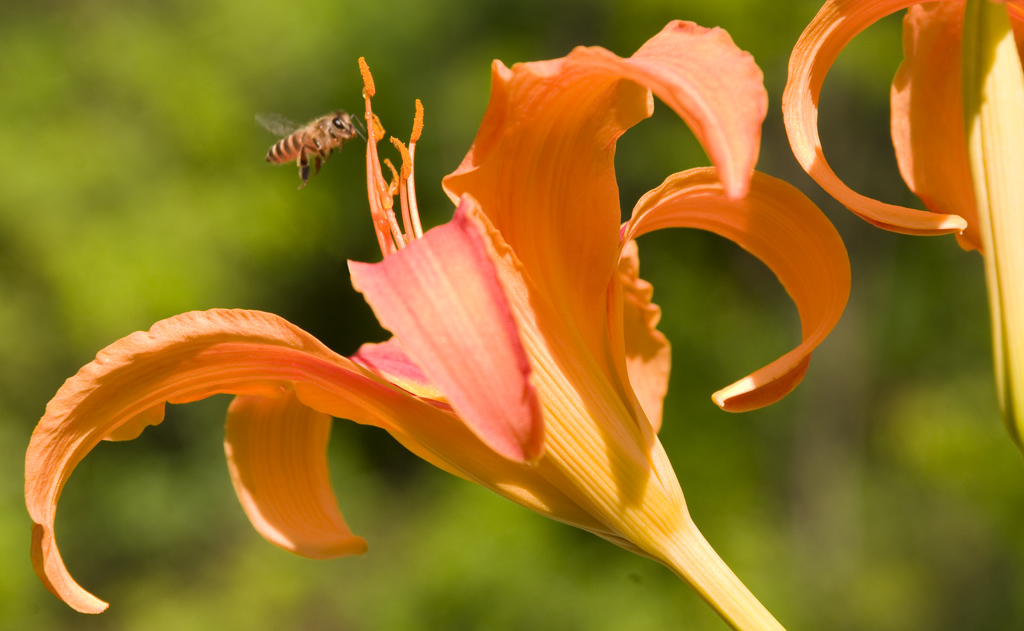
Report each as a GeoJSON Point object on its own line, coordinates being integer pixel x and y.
{"type": "Point", "coordinates": [883, 494]}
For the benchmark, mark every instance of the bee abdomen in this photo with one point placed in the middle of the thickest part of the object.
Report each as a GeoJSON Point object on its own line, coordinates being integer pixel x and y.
{"type": "Point", "coordinates": [286, 149]}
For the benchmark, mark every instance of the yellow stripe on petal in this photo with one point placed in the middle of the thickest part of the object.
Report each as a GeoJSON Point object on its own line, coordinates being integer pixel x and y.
{"type": "Point", "coordinates": [831, 29]}
{"type": "Point", "coordinates": [277, 455]}
{"type": "Point", "coordinates": [785, 230]}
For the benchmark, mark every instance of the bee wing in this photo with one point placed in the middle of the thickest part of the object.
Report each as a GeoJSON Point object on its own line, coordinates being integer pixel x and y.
{"type": "Point", "coordinates": [276, 124]}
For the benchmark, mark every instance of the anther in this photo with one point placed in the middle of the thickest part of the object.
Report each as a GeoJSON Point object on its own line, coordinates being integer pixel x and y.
{"type": "Point", "coordinates": [417, 124]}
{"type": "Point", "coordinates": [368, 89]}
{"type": "Point", "coordinates": [406, 158]}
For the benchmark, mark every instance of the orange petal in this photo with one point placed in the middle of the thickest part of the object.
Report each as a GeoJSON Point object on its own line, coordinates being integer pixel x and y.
{"type": "Point", "coordinates": [779, 225]}
{"type": "Point", "coordinates": [257, 354]}
{"type": "Point", "coordinates": [441, 297]}
{"type": "Point", "coordinates": [819, 45]}
{"type": "Point", "coordinates": [542, 164]}
{"type": "Point", "coordinates": [927, 115]}
{"type": "Point", "coordinates": [277, 456]}
{"type": "Point", "coordinates": [180, 359]}
{"type": "Point", "coordinates": [648, 355]}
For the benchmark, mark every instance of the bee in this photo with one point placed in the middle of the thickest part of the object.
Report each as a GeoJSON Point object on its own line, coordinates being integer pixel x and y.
{"type": "Point", "coordinates": [317, 139]}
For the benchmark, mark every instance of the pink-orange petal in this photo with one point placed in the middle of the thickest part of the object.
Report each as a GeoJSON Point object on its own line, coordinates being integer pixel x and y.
{"type": "Point", "coordinates": [785, 230]}
{"type": "Point", "coordinates": [277, 456]}
{"type": "Point", "coordinates": [927, 115]}
{"type": "Point", "coordinates": [542, 164]}
{"type": "Point", "coordinates": [442, 298]}
{"type": "Point", "coordinates": [648, 354]}
{"type": "Point", "coordinates": [832, 28]}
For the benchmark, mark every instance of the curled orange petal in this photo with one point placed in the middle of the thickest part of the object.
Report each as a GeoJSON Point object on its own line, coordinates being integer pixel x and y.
{"type": "Point", "coordinates": [182, 359]}
{"type": "Point", "coordinates": [542, 164]}
{"type": "Point", "coordinates": [277, 455]}
{"type": "Point", "coordinates": [785, 230]}
{"type": "Point", "coordinates": [832, 28]}
{"type": "Point", "coordinates": [255, 354]}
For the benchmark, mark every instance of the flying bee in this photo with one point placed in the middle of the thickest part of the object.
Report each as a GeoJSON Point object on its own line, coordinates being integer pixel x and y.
{"type": "Point", "coordinates": [317, 139]}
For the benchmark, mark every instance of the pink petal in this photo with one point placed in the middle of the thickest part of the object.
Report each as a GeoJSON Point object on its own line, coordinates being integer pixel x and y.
{"type": "Point", "coordinates": [390, 361]}
{"type": "Point", "coordinates": [442, 298]}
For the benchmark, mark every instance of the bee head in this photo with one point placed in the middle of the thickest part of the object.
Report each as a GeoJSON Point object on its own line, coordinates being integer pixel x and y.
{"type": "Point", "coordinates": [342, 120]}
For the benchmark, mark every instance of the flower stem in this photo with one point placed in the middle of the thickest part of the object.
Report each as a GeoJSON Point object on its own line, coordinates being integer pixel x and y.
{"type": "Point", "coordinates": [694, 560]}
{"type": "Point", "coordinates": [993, 85]}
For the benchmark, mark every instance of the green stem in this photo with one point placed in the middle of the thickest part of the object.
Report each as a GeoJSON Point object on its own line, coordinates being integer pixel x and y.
{"type": "Point", "coordinates": [694, 560]}
{"type": "Point", "coordinates": [994, 114]}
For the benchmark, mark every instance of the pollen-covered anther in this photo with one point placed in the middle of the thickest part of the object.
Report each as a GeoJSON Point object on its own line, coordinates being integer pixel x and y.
{"type": "Point", "coordinates": [368, 88]}
{"type": "Point", "coordinates": [406, 158]}
{"type": "Point", "coordinates": [417, 124]}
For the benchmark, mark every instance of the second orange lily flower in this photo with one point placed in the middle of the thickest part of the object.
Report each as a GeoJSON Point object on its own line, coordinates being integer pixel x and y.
{"type": "Point", "coordinates": [958, 129]}
{"type": "Point", "coordinates": [525, 356]}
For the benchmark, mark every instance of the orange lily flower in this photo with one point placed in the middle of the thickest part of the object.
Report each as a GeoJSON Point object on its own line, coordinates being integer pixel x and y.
{"type": "Point", "coordinates": [957, 126]}
{"type": "Point", "coordinates": [525, 356]}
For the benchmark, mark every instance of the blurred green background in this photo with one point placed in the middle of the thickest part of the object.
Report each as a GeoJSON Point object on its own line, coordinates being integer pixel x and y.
{"type": "Point", "coordinates": [882, 494]}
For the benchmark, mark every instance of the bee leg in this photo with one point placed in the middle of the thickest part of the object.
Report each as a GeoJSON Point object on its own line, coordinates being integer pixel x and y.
{"type": "Point", "coordinates": [303, 168]}
{"type": "Point", "coordinates": [316, 165]}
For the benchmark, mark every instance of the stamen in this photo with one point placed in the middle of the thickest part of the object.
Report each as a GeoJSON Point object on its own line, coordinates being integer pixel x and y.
{"type": "Point", "coordinates": [403, 191]}
{"type": "Point", "coordinates": [378, 128]}
{"type": "Point", "coordinates": [393, 184]}
{"type": "Point", "coordinates": [368, 89]}
{"type": "Point", "coordinates": [381, 194]}
{"type": "Point", "coordinates": [406, 159]}
{"type": "Point", "coordinates": [377, 191]}
{"type": "Point", "coordinates": [389, 203]}
{"type": "Point", "coordinates": [417, 124]}
{"type": "Point", "coordinates": [410, 188]}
